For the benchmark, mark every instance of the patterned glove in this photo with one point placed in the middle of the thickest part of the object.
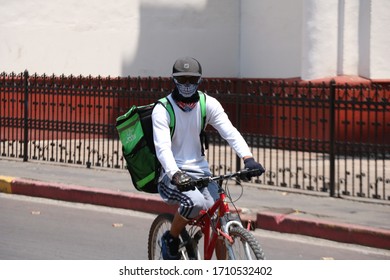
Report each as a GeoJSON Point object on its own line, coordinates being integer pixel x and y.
{"type": "Point", "coordinates": [182, 181]}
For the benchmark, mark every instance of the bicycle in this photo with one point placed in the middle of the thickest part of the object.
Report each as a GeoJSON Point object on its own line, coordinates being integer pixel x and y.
{"type": "Point", "coordinates": [218, 222]}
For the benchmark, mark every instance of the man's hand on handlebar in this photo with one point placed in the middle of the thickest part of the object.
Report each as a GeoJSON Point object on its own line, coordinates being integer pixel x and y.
{"type": "Point", "coordinates": [254, 168]}
{"type": "Point", "coordinates": [182, 181]}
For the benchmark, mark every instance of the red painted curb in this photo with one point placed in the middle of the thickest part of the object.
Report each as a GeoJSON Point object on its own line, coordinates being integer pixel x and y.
{"type": "Point", "coordinates": [138, 202]}
{"type": "Point", "coordinates": [346, 233]}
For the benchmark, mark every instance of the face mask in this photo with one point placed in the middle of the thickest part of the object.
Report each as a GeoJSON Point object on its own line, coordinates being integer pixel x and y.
{"type": "Point", "coordinates": [186, 90]}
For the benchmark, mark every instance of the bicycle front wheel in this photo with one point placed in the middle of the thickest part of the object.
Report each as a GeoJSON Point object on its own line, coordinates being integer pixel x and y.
{"type": "Point", "coordinates": [244, 246]}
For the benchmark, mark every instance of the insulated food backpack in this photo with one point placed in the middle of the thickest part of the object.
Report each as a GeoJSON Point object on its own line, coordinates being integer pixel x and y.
{"type": "Point", "coordinates": [136, 135]}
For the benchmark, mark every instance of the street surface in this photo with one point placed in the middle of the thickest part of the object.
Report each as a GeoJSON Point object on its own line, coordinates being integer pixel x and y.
{"type": "Point", "coordinates": [35, 228]}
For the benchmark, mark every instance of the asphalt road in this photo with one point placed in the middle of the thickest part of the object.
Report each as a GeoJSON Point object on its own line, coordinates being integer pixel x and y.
{"type": "Point", "coordinates": [35, 228]}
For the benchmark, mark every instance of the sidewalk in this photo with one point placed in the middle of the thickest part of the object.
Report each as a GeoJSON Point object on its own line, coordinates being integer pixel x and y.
{"type": "Point", "coordinates": [284, 210]}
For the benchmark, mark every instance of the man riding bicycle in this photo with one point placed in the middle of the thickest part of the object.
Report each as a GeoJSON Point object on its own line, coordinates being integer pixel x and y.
{"type": "Point", "coordinates": [181, 154]}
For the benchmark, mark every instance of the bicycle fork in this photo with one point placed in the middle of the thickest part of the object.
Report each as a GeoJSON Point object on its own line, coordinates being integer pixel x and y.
{"type": "Point", "coordinates": [225, 226]}
{"type": "Point", "coordinates": [228, 239]}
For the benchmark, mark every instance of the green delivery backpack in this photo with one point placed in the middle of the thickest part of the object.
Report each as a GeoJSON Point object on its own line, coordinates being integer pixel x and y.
{"type": "Point", "coordinates": [136, 135]}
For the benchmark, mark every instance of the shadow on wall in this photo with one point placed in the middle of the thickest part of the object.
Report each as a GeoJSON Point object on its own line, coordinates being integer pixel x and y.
{"type": "Point", "coordinates": [185, 28]}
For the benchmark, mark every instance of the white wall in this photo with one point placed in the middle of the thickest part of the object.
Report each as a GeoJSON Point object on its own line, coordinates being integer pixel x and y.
{"type": "Point", "coordinates": [207, 30]}
{"type": "Point", "coordinates": [70, 37]}
{"type": "Point", "coordinates": [348, 37]}
{"type": "Point", "coordinates": [320, 35]}
{"type": "Point", "coordinates": [364, 35]}
{"type": "Point", "coordinates": [124, 37]}
{"type": "Point", "coordinates": [271, 38]}
{"type": "Point", "coordinates": [231, 38]}
{"type": "Point", "coordinates": [380, 40]}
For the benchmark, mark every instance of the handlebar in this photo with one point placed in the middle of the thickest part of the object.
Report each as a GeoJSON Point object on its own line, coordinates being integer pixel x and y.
{"type": "Point", "coordinates": [241, 174]}
{"type": "Point", "coordinates": [204, 181]}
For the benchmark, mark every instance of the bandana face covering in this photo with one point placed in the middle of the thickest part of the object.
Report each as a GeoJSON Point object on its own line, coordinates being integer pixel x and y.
{"type": "Point", "coordinates": [187, 89]}
{"type": "Point", "coordinates": [186, 107]}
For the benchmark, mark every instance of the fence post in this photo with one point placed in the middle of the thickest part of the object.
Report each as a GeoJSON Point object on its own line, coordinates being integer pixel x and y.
{"type": "Point", "coordinates": [332, 127]}
{"type": "Point", "coordinates": [25, 140]}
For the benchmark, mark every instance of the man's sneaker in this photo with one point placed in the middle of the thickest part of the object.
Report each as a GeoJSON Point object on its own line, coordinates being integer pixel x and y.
{"type": "Point", "coordinates": [170, 247]}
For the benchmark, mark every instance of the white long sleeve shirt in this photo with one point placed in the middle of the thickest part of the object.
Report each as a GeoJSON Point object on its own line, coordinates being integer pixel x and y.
{"type": "Point", "coordinates": [183, 151]}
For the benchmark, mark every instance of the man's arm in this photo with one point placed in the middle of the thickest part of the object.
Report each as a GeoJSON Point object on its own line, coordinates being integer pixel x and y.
{"type": "Point", "coordinates": [220, 121]}
{"type": "Point", "coordinates": [162, 140]}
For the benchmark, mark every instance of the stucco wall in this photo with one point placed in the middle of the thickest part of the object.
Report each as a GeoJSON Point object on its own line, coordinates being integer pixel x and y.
{"type": "Point", "coordinates": [271, 38]}
{"type": "Point", "coordinates": [380, 40]}
{"type": "Point", "coordinates": [124, 37]}
{"type": "Point", "coordinates": [70, 37]}
{"type": "Point", "coordinates": [231, 38]}
{"type": "Point", "coordinates": [206, 30]}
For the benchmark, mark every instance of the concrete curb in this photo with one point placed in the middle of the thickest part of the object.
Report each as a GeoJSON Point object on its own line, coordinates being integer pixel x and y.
{"type": "Point", "coordinates": [346, 233]}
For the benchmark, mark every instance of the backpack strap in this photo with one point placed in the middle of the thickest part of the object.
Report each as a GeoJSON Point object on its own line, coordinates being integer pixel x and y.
{"type": "Point", "coordinates": [202, 101]}
{"type": "Point", "coordinates": [172, 119]}
{"type": "Point", "coordinates": [204, 140]}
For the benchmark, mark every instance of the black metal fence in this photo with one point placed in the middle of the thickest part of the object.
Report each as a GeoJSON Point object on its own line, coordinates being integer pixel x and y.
{"type": "Point", "coordinates": [325, 137]}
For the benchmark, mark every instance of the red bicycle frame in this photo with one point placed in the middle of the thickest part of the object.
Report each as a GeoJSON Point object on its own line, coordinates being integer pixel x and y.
{"type": "Point", "coordinates": [204, 222]}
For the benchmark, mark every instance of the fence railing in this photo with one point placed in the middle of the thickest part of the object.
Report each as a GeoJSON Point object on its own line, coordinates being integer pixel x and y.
{"type": "Point", "coordinates": [324, 137]}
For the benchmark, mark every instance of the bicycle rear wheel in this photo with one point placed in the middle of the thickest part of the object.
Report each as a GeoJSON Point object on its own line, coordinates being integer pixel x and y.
{"type": "Point", "coordinates": [160, 225]}
{"type": "Point", "coordinates": [245, 246]}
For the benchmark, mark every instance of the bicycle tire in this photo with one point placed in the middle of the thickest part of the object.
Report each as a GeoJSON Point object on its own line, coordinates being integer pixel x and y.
{"type": "Point", "coordinates": [245, 246]}
{"type": "Point", "coordinates": [160, 225]}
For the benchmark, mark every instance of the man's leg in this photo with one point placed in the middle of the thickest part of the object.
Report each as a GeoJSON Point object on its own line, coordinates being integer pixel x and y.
{"type": "Point", "coordinates": [178, 224]}
{"type": "Point", "coordinates": [171, 239]}
{"type": "Point", "coordinates": [191, 202]}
